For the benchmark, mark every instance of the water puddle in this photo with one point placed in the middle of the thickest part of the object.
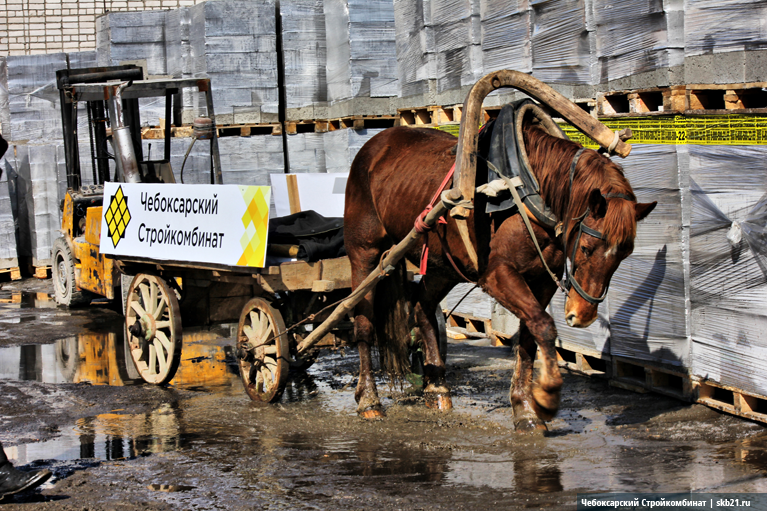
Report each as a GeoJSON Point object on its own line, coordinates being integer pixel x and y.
{"type": "Point", "coordinates": [207, 360]}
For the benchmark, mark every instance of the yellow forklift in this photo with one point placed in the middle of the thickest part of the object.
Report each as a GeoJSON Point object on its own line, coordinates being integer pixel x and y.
{"type": "Point", "coordinates": [108, 97]}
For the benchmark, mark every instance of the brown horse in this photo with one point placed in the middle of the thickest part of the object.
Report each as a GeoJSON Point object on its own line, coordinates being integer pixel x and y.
{"type": "Point", "coordinates": [393, 178]}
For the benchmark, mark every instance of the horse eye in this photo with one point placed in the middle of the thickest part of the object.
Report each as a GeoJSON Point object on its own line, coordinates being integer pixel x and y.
{"type": "Point", "coordinates": [586, 250]}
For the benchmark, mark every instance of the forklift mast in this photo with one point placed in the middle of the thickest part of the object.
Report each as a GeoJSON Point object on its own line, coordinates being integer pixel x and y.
{"type": "Point", "coordinates": [97, 119]}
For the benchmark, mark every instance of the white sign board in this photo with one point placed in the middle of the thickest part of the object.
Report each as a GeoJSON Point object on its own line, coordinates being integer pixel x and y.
{"type": "Point", "coordinates": [323, 193]}
{"type": "Point", "coordinates": [221, 224]}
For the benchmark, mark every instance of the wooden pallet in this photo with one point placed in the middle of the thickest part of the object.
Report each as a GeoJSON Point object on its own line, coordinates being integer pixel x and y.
{"type": "Point", "coordinates": [694, 99]}
{"type": "Point", "coordinates": [357, 122]}
{"type": "Point", "coordinates": [465, 326]}
{"type": "Point", "coordinates": [40, 272]}
{"type": "Point", "coordinates": [13, 273]}
{"type": "Point", "coordinates": [225, 130]}
{"type": "Point", "coordinates": [643, 377]}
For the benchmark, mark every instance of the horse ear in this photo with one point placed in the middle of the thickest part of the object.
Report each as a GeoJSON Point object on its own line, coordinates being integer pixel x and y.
{"type": "Point", "coordinates": [597, 203]}
{"type": "Point", "coordinates": [644, 209]}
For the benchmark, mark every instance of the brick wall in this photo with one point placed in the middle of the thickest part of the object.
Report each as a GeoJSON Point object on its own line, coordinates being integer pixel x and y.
{"type": "Point", "coordinates": [47, 26]}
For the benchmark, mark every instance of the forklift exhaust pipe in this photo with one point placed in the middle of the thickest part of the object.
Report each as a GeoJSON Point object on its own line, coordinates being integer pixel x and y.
{"type": "Point", "coordinates": [125, 154]}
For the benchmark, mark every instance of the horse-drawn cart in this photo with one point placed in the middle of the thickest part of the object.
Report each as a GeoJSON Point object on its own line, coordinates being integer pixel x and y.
{"type": "Point", "coordinates": [287, 311]}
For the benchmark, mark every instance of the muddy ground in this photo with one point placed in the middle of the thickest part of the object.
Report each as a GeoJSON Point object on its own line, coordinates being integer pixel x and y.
{"type": "Point", "coordinates": [70, 403]}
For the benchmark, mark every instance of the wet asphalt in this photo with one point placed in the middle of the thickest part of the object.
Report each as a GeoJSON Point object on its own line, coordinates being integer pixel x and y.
{"type": "Point", "coordinates": [70, 401]}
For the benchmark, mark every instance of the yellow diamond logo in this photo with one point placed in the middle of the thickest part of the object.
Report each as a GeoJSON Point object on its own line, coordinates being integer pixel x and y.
{"type": "Point", "coordinates": [117, 216]}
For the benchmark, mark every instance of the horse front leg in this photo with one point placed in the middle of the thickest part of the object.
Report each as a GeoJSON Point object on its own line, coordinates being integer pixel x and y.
{"type": "Point", "coordinates": [368, 403]}
{"type": "Point", "coordinates": [436, 390]}
{"type": "Point", "coordinates": [533, 402]}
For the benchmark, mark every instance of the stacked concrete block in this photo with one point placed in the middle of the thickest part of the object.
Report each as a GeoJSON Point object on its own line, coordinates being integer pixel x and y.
{"type": "Point", "coordinates": [306, 153]}
{"type": "Point", "coordinates": [33, 101]}
{"type": "Point", "coordinates": [506, 35]}
{"type": "Point", "coordinates": [362, 52]}
{"type": "Point", "coordinates": [8, 255]}
{"type": "Point", "coordinates": [561, 41]}
{"type": "Point", "coordinates": [341, 146]}
{"type": "Point", "coordinates": [136, 38]}
{"type": "Point", "coordinates": [5, 112]}
{"type": "Point", "coordinates": [244, 160]}
{"type": "Point", "coordinates": [178, 50]}
{"type": "Point", "coordinates": [725, 41]}
{"type": "Point", "coordinates": [416, 59]}
{"type": "Point", "coordinates": [234, 43]}
{"type": "Point", "coordinates": [728, 265]}
{"type": "Point", "coordinates": [636, 37]}
{"type": "Point", "coordinates": [304, 53]}
{"type": "Point", "coordinates": [132, 36]}
{"type": "Point", "coordinates": [647, 307]}
{"type": "Point", "coordinates": [457, 41]}
{"type": "Point", "coordinates": [34, 181]}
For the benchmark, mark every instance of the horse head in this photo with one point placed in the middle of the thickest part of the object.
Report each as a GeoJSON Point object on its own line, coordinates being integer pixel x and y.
{"type": "Point", "coordinates": [603, 216]}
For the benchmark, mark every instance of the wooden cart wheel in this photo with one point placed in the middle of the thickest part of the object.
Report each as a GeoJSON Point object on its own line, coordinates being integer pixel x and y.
{"type": "Point", "coordinates": [153, 319]}
{"type": "Point", "coordinates": [263, 351]}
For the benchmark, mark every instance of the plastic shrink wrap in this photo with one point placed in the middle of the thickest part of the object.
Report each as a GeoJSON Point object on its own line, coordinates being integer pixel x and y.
{"type": "Point", "coordinates": [136, 38]}
{"type": "Point", "coordinates": [713, 26]}
{"type": "Point", "coordinates": [647, 305]}
{"type": "Point", "coordinates": [33, 99]}
{"type": "Point", "coordinates": [234, 43]}
{"type": "Point", "coordinates": [728, 257]}
{"type": "Point", "coordinates": [457, 40]}
{"type": "Point", "coordinates": [306, 153]}
{"type": "Point", "coordinates": [34, 178]}
{"type": "Point", "coordinates": [8, 256]}
{"type": "Point", "coordinates": [304, 53]}
{"type": "Point", "coordinates": [362, 54]}
{"type": "Point", "coordinates": [560, 41]}
{"type": "Point", "coordinates": [341, 146]}
{"type": "Point", "coordinates": [506, 35]}
{"type": "Point", "coordinates": [244, 160]}
{"type": "Point", "coordinates": [636, 37]}
{"type": "Point", "coordinates": [5, 113]}
{"type": "Point", "coordinates": [416, 60]}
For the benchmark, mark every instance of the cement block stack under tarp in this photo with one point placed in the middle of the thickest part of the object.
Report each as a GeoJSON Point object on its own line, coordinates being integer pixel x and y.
{"type": "Point", "coordinates": [561, 41]}
{"type": "Point", "coordinates": [8, 254]}
{"type": "Point", "coordinates": [637, 37]}
{"type": "Point", "coordinates": [244, 160]}
{"type": "Point", "coordinates": [341, 146]}
{"type": "Point", "coordinates": [138, 38]}
{"type": "Point", "coordinates": [362, 55]}
{"type": "Point", "coordinates": [304, 53]}
{"type": "Point", "coordinates": [725, 41]}
{"type": "Point", "coordinates": [33, 180]}
{"type": "Point", "coordinates": [416, 60]}
{"type": "Point", "coordinates": [306, 152]}
{"type": "Point", "coordinates": [178, 52]}
{"type": "Point", "coordinates": [728, 265]}
{"type": "Point", "coordinates": [33, 98]}
{"type": "Point", "coordinates": [457, 43]}
{"type": "Point", "coordinates": [234, 43]}
{"type": "Point", "coordinates": [506, 35]}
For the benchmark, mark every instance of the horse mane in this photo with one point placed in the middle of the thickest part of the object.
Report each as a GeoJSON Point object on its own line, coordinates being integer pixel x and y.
{"type": "Point", "coordinates": [550, 159]}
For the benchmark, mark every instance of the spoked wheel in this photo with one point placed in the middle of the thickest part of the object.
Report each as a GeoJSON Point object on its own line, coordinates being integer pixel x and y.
{"type": "Point", "coordinates": [263, 351]}
{"type": "Point", "coordinates": [153, 319]}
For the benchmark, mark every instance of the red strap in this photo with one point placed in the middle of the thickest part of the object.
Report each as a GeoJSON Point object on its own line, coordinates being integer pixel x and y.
{"type": "Point", "coordinates": [422, 228]}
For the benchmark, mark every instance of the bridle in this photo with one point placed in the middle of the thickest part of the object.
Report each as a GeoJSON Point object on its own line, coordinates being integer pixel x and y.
{"type": "Point", "coordinates": [568, 279]}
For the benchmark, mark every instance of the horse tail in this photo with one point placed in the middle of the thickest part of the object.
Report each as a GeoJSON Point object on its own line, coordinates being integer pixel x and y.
{"type": "Point", "coordinates": [392, 312]}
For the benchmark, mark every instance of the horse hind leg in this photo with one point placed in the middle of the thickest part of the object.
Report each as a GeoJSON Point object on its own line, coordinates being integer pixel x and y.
{"type": "Point", "coordinates": [436, 391]}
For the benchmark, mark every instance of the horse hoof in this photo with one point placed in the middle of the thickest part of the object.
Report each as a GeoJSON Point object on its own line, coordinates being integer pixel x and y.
{"type": "Point", "coordinates": [438, 401]}
{"type": "Point", "coordinates": [373, 413]}
{"type": "Point", "coordinates": [530, 426]}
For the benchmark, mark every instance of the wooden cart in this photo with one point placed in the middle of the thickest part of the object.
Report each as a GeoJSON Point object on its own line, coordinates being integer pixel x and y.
{"type": "Point", "coordinates": [302, 294]}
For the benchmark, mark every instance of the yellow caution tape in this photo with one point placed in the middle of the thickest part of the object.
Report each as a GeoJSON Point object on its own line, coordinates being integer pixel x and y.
{"type": "Point", "coordinates": [676, 130]}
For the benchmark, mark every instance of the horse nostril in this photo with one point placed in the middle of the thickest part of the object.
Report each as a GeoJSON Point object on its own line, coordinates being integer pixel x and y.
{"type": "Point", "coordinates": [570, 319]}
